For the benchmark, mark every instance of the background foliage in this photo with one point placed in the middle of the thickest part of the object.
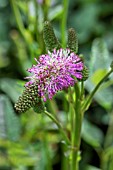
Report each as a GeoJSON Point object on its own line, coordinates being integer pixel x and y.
{"type": "Point", "coordinates": [32, 141]}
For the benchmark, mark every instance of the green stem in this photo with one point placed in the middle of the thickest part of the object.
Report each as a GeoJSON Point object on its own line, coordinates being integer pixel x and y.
{"type": "Point", "coordinates": [64, 158]}
{"type": "Point", "coordinates": [109, 137]}
{"type": "Point", "coordinates": [53, 107]}
{"type": "Point", "coordinates": [76, 130]}
{"type": "Point", "coordinates": [82, 91]}
{"type": "Point", "coordinates": [18, 17]}
{"type": "Point", "coordinates": [20, 24]}
{"type": "Point", "coordinates": [37, 32]}
{"type": "Point", "coordinates": [59, 126]}
{"type": "Point", "coordinates": [107, 143]}
{"type": "Point", "coordinates": [89, 98]}
{"type": "Point", "coordinates": [46, 148]}
{"type": "Point", "coordinates": [36, 20]}
{"type": "Point", "coordinates": [63, 22]}
{"type": "Point", "coordinates": [71, 111]}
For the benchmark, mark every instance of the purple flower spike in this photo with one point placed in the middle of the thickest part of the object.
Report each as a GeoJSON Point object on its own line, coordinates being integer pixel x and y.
{"type": "Point", "coordinates": [55, 71]}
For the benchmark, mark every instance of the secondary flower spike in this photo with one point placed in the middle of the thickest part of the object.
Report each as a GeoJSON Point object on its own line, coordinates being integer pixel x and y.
{"type": "Point", "coordinates": [55, 71]}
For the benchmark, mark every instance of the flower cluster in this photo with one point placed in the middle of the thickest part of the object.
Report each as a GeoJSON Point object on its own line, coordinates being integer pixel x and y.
{"type": "Point", "coordinates": [55, 71]}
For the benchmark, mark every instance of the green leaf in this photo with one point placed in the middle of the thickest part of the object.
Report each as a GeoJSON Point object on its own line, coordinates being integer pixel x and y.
{"type": "Point", "coordinates": [89, 167]}
{"type": "Point", "coordinates": [91, 134]}
{"type": "Point", "coordinates": [13, 88]}
{"type": "Point", "coordinates": [22, 155]}
{"type": "Point", "coordinates": [98, 75]}
{"type": "Point", "coordinates": [99, 56]}
{"type": "Point", "coordinates": [10, 125]}
{"type": "Point", "coordinates": [107, 158]}
{"type": "Point", "coordinates": [55, 12]}
{"type": "Point", "coordinates": [88, 15]}
{"type": "Point", "coordinates": [98, 66]}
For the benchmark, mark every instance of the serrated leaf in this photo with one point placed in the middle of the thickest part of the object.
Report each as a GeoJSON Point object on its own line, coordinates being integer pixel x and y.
{"type": "Point", "coordinates": [91, 134]}
{"type": "Point", "coordinates": [9, 123]}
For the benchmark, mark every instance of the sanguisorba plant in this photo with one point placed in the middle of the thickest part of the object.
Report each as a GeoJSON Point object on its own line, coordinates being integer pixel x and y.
{"type": "Point", "coordinates": [60, 69]}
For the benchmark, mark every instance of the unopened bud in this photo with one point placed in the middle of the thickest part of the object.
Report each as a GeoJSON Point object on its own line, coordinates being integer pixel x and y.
{"type": "Point", "coordinates": [50, 39]}
{"type": "Point", "coordinates": [85, 73]}
{"type": "Point", "coordinates": [28, 99]}
{"type": "Point", "coordinates": [72, 40]}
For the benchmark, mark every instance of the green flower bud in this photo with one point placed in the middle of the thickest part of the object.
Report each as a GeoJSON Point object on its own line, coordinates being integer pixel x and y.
{"type": "Point", "coordinates": [85, 73]}
{"type": "Point", "coordinates": [50, 39]}
{"type": "Point", "coordinates": [72, 40]}
{"type": "Point", "coordinates": [81, 57]}
{"type": "Point", "coordinates": [28, 99]}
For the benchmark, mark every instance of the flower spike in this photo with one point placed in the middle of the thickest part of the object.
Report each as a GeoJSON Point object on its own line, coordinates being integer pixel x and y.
{"type": "Point", "coordinates": [28, 99]}
{"type": "Point", "coordinates": [50, 39]}
{"type": "Point", "coordinates": [72, 40]}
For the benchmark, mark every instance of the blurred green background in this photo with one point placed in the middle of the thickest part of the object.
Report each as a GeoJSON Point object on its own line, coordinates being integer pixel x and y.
{"type": "Point", "coordinates": [31, 141]}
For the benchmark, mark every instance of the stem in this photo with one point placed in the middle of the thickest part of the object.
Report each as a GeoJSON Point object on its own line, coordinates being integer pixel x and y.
{"type": "Point", "coordinates": [89, 98]}
{"type": "Point", "coordinates": [36, 20]}
{"type": "Point", "coordinates": [64, 158]}
{"type": "Point", "coordinates": [109, 137]}
{"type": "Point", "coordinates": [37, 32]}
{"type": "Point", "coordinates": [46, 148]}
{"type": "Point", "coordinates": [76, 130]}
{"type": "Point", "coordinates": [82, 92]}
{"type": "Point", "coordinates": [18, 18]}
{"type": "Point", "coordinates": [107, 142]}
{"type": "Point", "coordinates": [59, 126]}
{"type": "Point", "coordinates": [63, 22]}
{"type": "Point", "coordinates": [71, 111]}
{"type": "Point", "coordinates": [53, 108]}
{"type": "Point", "coordinates": [20, 24]}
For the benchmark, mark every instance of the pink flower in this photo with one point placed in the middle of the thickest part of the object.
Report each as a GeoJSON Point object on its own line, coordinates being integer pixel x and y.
{"type": "Point", "coordinates": [55, 71]}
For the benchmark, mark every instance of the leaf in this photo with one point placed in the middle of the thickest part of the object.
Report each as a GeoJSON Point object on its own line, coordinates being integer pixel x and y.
{"type": "Point", "coordinates": [21, 155]}
{"type": "Point", "coordinates": [99, 56]}
{"type": "Point", "coordinates": [98, 66]}
{"type": "Point", "coordinates": [108, 158]}
{"type": "Point", "coordinates": [91, 134]}
{"type": "Point", "coordinates": [55, 12]}
{"type": "Point", "coordinates": [13, 88]}
{"type": "Point", "coordinates": [89, 167]}
{"type": "Point", "coordinates": [10, 126]}
{"type": "Point", "coordinates": [88, 23]}
{"type": "Point", "coordinates": [98, 75]}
